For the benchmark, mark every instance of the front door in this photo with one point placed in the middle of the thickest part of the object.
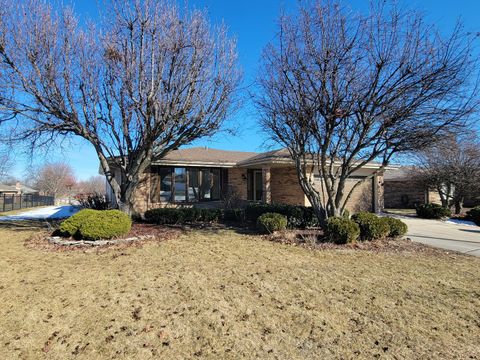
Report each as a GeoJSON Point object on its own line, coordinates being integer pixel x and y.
{"type": "Point", "coordinates": [255, 185]}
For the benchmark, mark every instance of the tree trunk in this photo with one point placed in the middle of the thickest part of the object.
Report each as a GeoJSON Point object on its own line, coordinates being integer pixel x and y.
{"type": "Point", "coordinates": [458, 206]}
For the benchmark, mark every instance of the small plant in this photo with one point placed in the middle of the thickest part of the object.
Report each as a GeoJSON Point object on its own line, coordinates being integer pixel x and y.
{"type": "Point", "coordinates": [433, 211]}
{"type": "Point", "coordinates": [474, 215]}
{"type": "Point", "coordinates": [397, 227]}
{"type": "Point", "coordinates": [271, 222]}
{"type": "Point", "coordinates": [371, 226]}
{"type": "Point", "coordinates": [91, 224]}
{"type": "Point", "coordinates": [341, 230]}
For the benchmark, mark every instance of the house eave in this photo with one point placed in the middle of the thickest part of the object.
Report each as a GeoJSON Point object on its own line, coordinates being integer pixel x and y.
{"type": "Point", "coordinates": [193, 164]}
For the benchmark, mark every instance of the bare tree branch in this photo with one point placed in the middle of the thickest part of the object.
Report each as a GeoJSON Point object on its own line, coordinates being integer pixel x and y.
{"type": "Point", "coordinates": [151, 78]}
{"type": "Point", "coordinates": [340, 90]}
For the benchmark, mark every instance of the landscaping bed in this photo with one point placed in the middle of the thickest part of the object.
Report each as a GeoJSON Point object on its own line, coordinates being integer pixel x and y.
{"type": "Point", "coordinates": [138, 235]}
{"type": "Point", "coordinates": [306, 239]}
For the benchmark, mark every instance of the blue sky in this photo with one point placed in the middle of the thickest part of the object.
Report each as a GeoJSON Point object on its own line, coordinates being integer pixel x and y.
{"type": "Point", "coordinates": [253, 23]}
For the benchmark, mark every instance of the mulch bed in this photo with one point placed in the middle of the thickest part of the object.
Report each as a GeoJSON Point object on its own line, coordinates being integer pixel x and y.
{"type": "Point", "coordinates": [313, 239]}
{"type": "Point", "coordinates": [155, 233]}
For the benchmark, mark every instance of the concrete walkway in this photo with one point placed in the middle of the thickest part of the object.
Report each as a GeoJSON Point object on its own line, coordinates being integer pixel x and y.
{"type": "Point", "coordinates": [446, 235]}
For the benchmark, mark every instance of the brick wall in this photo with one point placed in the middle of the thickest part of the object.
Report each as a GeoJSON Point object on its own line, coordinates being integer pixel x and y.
{"type": "Point", "coordinates": [361, 198]}
{"type": "Point", "coordinates": [285, 187]}
{"type": "Point", "coordinates": [237, 182]}
{"type": "Point", "coordinates": [402, 194]}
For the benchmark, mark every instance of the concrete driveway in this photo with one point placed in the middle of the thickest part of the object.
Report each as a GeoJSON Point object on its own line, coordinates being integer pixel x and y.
{"type": "Point", "coordinates": [446, 235]}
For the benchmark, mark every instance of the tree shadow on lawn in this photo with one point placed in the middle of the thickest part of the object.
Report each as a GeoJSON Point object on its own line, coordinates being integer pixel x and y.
{"type": "Point", "coordinates": [471, 231]}
{"type": "Point", "coordinates": [27, 225]}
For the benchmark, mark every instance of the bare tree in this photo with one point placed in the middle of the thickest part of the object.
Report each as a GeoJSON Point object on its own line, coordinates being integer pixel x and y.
{"type": "Point", "coordinates": [6, 163]}
{"type": "Point", "coordinates": [452, 168]}
{"type": "Point", "coordinates": [95, 185]}
{"type": "Point", "coordinates": [339, 90]}
{"type": "Point", "coordinates": [55, 179]}
{"type": "Point", "coordinates": [149, 79]}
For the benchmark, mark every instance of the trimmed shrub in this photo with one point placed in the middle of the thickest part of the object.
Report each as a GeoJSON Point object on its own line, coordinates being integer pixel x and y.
{"type": "Point", "coordinates": [341, 230]}
{"type": "Point", "coordinates": [397, 227]}
{"type": "Point", "coordinates": [433, 211]}
{"type": "Point", "coordinates": [271, 222]}
{"type": "Point", "coordinates": [371, 226]}
{"type": "Point", "coordinates": [210, 215]}
{"type": "Point", "coordinates": [474, 215]}
{"type": "Point", "coordinates": [172, 216]}
{"type": "Point", "coordinates": [70, 226]}
{"type": "Point", "coordinates": [164, 216]}
{"type": "Point", "coordinates": [91, 224]}
{"type": "Point", "coordinates": [298, 217]}
{"type": "Point", "coordinates": [236, 215]}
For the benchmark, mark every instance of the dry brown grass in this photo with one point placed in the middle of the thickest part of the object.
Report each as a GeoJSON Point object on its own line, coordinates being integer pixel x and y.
{"type": "Point", "coordinates": [225, 295]}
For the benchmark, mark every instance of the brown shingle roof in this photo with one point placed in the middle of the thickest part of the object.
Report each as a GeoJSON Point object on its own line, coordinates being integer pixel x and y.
{"type": "Point", "coordinates": [201, 155]}
{"type": "Point", "coordinates": [279, 155]}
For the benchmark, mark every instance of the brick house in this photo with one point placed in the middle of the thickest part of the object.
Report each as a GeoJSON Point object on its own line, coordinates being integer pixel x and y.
{"type": "Point", "coordinates": [402, 192]}
{"type": "Point", "coordinates": [203, 177]}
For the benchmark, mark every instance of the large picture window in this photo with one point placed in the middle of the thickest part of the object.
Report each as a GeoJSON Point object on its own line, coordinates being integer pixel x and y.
{"type": "Point", "coordinates": [180, 184]}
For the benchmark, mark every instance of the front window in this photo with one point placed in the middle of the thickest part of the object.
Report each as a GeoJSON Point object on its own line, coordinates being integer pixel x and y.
{"type": "Point", "coordinates": [180, 184]}
{"type": "Point", "coordinates": [194, 185]}
{"type": "Point", "coordinates": [165, 184]}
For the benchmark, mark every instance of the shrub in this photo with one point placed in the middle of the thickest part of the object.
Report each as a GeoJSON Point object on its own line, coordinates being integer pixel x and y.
{"type": "Point", "coordinates": [341, 230]}
{"type": "Point", "coordinates": [297, 216]}
{"type": "Point", "coordinates": [93, 201]}
{"type": "Point", "coordinates": [371, 226]}
{"type": "Point", "coordinates": [397, 227]}
{"type": "Point", "coordinates": [96, 224]}
{"type": "Point", "coordinates": [210, 215]}
{"type": "Point", "coordinates": [474, 215]}
{"type": "Point", "coordinates": [190, 215]}
{"type": "Point", "coordinates": [271, 222]}
{"type": "Point", "coordinates": [237, 215]}
{"type": "Point", "coordinates": [433, 211]}
{"type": "Point", "coordinates": [164, 216]}
{"type": "Point", "coordinates": [172, 216]}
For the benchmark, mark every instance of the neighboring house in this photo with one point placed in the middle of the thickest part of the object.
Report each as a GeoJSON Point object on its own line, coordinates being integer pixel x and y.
{"type": "Point", "coordinates": [204, 177]}
{"type": "Point", "coordinates": [8, 190]}
{"type": "Point", "coordinates": [17, 189]}
{"type": "Point", "coordinates": [402, 192]}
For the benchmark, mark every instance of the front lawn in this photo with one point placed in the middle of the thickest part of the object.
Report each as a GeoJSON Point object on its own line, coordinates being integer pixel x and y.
{"type": "Point", "coordinates": [219, 294]}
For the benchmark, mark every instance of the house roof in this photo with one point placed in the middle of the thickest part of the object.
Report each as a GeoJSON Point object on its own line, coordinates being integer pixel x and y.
{"type": "Point", "coordinates": [204, 156]}
{"type": "Point", "coordinates": [7, 188]}
{"type": "Point", "coordinates": [274, 156]}
{"type": "Point", "coordinates": [24, 189]}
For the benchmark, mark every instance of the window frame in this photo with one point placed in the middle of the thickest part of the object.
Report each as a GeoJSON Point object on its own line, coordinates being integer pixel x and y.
{"type": "Point", "coordinates": [200, 172]}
